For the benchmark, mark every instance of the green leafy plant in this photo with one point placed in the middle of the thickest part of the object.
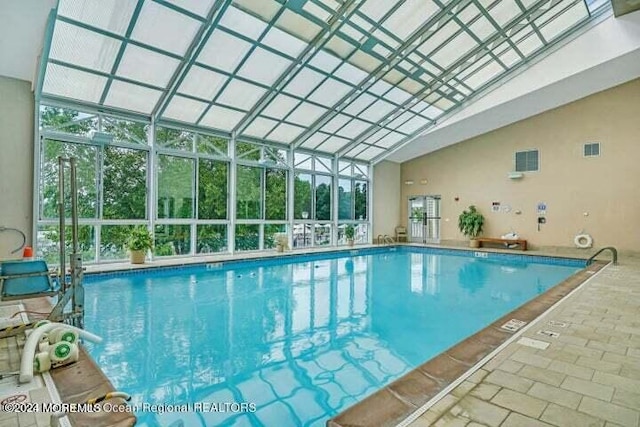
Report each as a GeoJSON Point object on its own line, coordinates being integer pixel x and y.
{"type": "Point", "coordinates": [349, 232]}
{"type": "Point", "coordinates": [140, 239]}
{"type": "Point", "coordinates": [470, 222]}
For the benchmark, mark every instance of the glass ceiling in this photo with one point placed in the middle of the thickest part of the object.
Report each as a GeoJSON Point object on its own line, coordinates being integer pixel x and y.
{"type": "Point", "coordinates": [351, 77]}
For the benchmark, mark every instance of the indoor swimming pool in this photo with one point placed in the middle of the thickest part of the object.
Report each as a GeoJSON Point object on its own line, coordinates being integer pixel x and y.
{"type": "Point", "coordinates": [296, 339]}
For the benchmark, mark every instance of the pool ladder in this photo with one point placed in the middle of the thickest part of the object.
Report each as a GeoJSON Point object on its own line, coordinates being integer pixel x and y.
{"type": "Point", "coordinates": [384, 238]}
{"type": "Point", "coordinates": [614, 254]}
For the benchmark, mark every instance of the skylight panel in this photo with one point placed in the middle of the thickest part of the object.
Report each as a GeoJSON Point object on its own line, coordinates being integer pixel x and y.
{"type": "Point", "coordinates": [340, 46]}
{"type": "Point", "coordinates": [369, 153]}
{"type": "Point", "coordinates": [241, 95]}
{"type": "Point", "coordinates": [260, 127]}
{"type": "Point", "coordinates": [409, 17]}
{"type": "Point", "coordinates": [242, 23]}
{"type": "Point", "coordinates": [265, 9]}
{"type": "Point", "coordinates": [389, 140]}
{"type": "Point", "coordinates": [439, 37]}
{"type": "Point", "coordinates": [110, 15]}
{"type": "Point", "coordinates": [336, 123]}
{"type": "Point", "coordinates": [359, 104]}
{"type": "Point", "coordinates": [314, 140]}
{"type": "Point", "coordinates": [221, 118]}
{"type": "Point", "coordinates": [398, 96]}
{"type": "Point", "coordinates": [509, 57]}
{"type": "Point", "coordinates": [164, 28]}
{"type": "Point", "coordinates": [505, 11]}
{"type": "Point", "coordinates": [297, 25]}
{"type": "Point", "coordinates": [354, 128]}
{"type": "Point", "coordinates": [304, 82]}
{"type": "Point", "coordinates": [147, 66]}
{"type": "Point", "coordinates": [400, 119]}
{"type": "Point", "coordinates": [377, 111]}
{"type": "Point", "coordinates": [85, 48]}
{"type": "Point", "coordinates": [564, 21]}
{"type": "Point", "coordinates": [468, 13]}
{"type": "Point", "coordinates": [315, 10]}
{"type": "Point", "coordinates": [306, 114]}
{"type": "Point", "coordinates": [284, 42]}
{"type": "Point", "coordinates": [431, 112]}
{"type": "Point", "coordinates": [280, 106]}
{"type": "Point", "coordinates": [529, 44]}
{"type": "Point", "coordinates": [285, 133]}
{"type": "Point", "coordinates": [380, 87]}
{"type": "Point", "coordinates": [263, 66]}
{"type": "Point", "coordinates": [202, 83]}
{"type": "Point", "coordinates": [224, 51]}
{"type": "Point", "coordinates": [330, 92]}
{"type": "Point", "coordinates": [184, 109]}
{"type": "Point", "coordinates": [70, 83]}
{"type": "Point", "coordinates": [376, 9]}
{"type": "Point", "coordinates": [454, 49]}
{"type": "Point", "coordinates": [132, 97]}
{"type": "Point", "coordinates": [482, 28]}
{"type": "Point", "coordinates": [333, 144]}
{"type": "Point", "coordinates": [350, 73]}
{"type": "Point", "coordinates": [365, 61]}
{"type": "Point", "coordinates": [352, 32]}
{"type": "Point", "coordinates": [325, 61]}
{"type": "Point", "coordinates": [413, 125]}
{"type": "Point", "coordinates": [199, 7]}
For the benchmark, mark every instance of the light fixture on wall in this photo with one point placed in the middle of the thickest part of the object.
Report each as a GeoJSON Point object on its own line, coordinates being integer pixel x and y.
{"type": "Point", "coordinates": [408, 182]}
{"type": "Point", "coordinates": [423, 181]}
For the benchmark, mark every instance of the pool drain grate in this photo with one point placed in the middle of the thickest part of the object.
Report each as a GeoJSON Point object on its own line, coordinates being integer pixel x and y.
{"type": "Point", "coordinates": [513, 325]}
{"type": "Point", "coordinates": [558, 324]}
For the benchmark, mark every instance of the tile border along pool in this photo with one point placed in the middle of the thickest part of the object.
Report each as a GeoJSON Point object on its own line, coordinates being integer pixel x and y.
{"type": "Point", "coordinates": [402, 401]}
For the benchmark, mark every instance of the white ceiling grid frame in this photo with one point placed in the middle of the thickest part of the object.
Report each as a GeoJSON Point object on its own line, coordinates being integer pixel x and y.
{"type": "Point", "coordinates": [333, 144]}
{"type": "Point", "coordinates": [74, 84]}
{"type": "Point", "coordinates": [285, 133]}
{"type": "Point", "coordinates": [164, 28]}
{"type": "Point", "coordinates": [92, 12]}
{"type": "Point", "coordinates": [221, 118]}
{"type": "Point", "coordinates": [184, 109]}
{"type": "Point", "coordinates": [241, 22]}
{"type": "Point", "coordinates": [315, 140]}
{"type": "Point", "coordinates": [146, 66]}
{"type": "Point", "coordinates": [305, 114]}
{"type": "Point", "coordinates": [88, 49]}
{"type": "Point", "coordinates": [329, 92]}
{"type": "Point", "coordinates": [202, 83]}
{"type": "Point", "coordinates": [223, 51]}
{"type": "Point", "coordinates": [132, 97]}
{"type": "Point", "coordinates": [284, 42]}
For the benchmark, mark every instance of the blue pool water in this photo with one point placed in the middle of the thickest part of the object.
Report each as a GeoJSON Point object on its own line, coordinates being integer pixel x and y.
{"type": "Point", "coordinates": [301, 339]}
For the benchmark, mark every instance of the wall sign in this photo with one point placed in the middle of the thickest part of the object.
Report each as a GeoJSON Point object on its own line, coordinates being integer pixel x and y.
{"type": "Point", "coordinates": [495, 207]}
{"type": "Point", "coordinates": [542, 208]}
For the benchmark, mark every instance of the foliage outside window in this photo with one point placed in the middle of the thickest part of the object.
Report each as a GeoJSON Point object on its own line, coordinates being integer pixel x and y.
{"type": "Point", "coordinates": [212, 189]}
{"type": "Point", "coordinates": [175, 186]}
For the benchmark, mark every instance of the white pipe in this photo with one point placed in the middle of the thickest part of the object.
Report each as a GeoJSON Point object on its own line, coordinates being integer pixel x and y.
{"type": "Point", "coordinates": [28, 352]}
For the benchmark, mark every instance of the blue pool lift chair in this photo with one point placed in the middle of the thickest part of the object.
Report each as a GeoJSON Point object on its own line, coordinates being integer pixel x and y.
{"type": "Point", "coordinates": [25, 279]}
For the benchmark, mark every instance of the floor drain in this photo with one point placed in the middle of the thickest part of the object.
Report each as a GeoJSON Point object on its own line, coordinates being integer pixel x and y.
{"type": "Point", "coordinates": [558, 324]}
{"type": "Point", "coordinates": [550, 334]}
{"type": "Point", "coordinates": [513, 325]}
{"type": "Point", "coordinates": [540, 345]}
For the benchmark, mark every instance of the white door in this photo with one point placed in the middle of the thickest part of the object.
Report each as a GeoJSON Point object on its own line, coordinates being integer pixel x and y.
{"type": "Point", "coordinates": [424, 219]}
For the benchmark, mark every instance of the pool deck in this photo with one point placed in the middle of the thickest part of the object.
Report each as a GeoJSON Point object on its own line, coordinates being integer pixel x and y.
{"type": "Point", "coordinates": [589, 374]}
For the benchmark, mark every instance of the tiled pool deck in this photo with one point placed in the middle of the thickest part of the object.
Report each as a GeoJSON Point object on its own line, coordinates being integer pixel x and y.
{"type": "Point", "coordinates": [588, 376]}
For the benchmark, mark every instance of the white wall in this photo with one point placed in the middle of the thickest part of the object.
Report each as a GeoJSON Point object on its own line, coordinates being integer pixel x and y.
{"type": "Point", "coordinates": [386, 198]}
{"type": "Point", "coordinates": [16, 162]}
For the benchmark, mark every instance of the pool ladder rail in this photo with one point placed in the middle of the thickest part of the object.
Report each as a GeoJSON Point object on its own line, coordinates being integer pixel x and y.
{"type": "Point", "coordinates": [384, 239]}
{"type": "Point", "coordinates": [614, 254]}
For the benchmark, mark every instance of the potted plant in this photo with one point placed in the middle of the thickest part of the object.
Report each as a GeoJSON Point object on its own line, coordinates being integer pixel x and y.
{"type": "Point", "coordinates": [349, 233]}
{"type": "Point", "coordinates": [139, 243]}
{"type": "Point", "coordinates": [470, 223]}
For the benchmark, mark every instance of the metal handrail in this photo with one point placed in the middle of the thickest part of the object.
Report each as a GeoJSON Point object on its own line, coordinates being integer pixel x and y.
{"type": "Point", "coordinates": [387, 239]}
{"type": "Point", "coordinates": [379, 239]}
{"type": "Point", "coordinates": [614, 253]}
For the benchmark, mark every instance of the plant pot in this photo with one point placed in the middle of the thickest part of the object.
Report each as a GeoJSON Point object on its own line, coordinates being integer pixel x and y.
{"type": "Point", "coordinates": [137, 257]}
{"type": "Point", "coordinates": [349, 242]}
{"type": "Point", "coordinates": [279, 248]}
{"type": "Point", "coordinates": [473, 243]}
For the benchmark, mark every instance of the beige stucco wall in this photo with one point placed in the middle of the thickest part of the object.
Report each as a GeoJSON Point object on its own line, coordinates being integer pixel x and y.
{"type": "Point", "coordinates": [600, 195]}
{"type": "Point", "coordinates": [386, 198]}
{"type": "Point", "coordinates": [16, 162]}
